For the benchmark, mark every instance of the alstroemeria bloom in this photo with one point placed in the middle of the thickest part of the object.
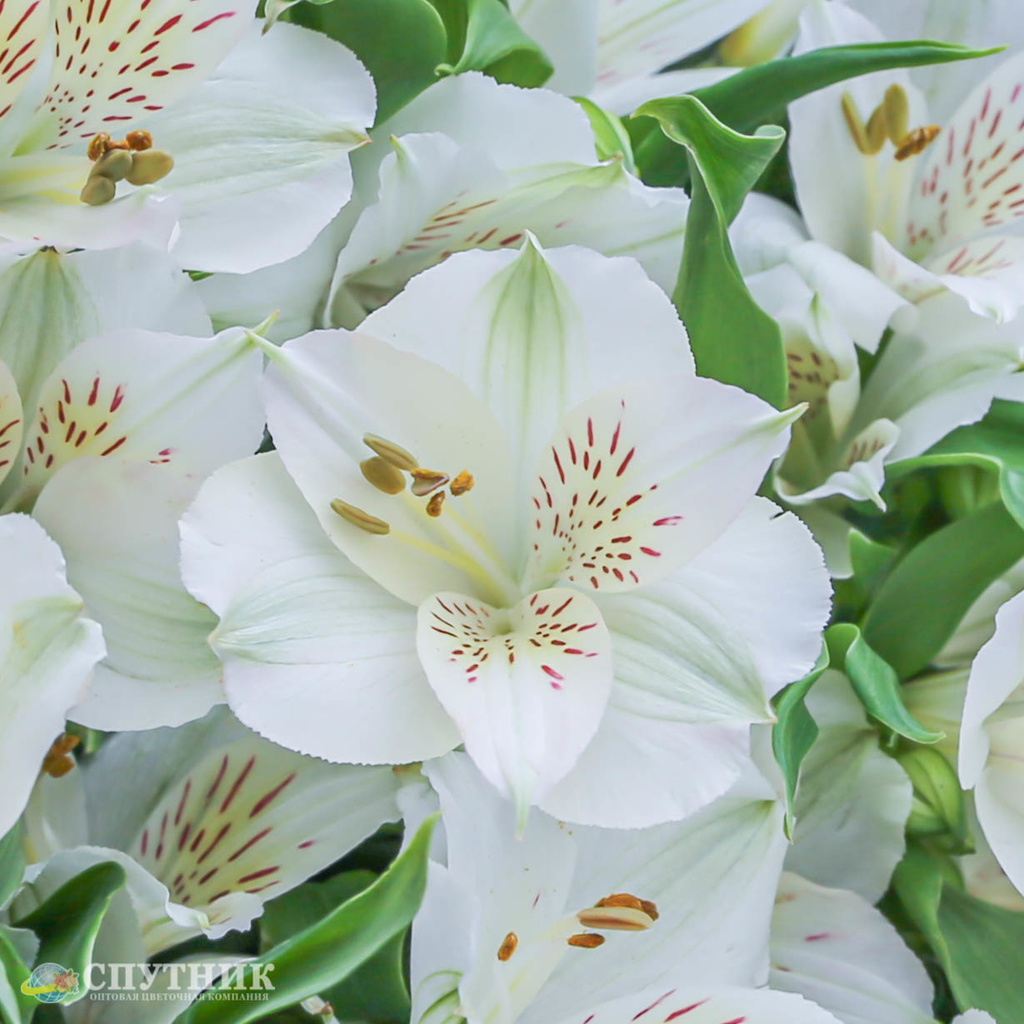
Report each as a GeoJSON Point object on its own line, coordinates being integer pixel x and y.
{"type": "Point", "coordinates": [927, 207]}
{"type": "Point", "coordinates": [258, 130]}
{"type": "Point", "coordinates": [48, 648]}
{"type": "Point", "coordinates": [124, 430]}
{"type": "Point", "coordinates": [577, 581]}
{"type": "Point", "coordinates": [572, 924]}
{"type": "Point", "coordinates": [991, 734]}
{"type": "Point", "coordinates": [469, 164]}
{"type": "Point", "coordinates": [209, 822]}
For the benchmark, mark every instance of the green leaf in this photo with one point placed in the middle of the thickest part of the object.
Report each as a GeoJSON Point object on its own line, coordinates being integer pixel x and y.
{"type": "Point", "coordinates": [926, 595]}
{"type": "Point", "coordinates": [376, 991]}
{"type": "Point", "coordinates": [610, 137]}
{"type": "Point", "coordinates": [326, 953]}
{"type": "Point", "coordinates": [484, 36]}
{"type": "Point", "coordinates": [994, 444]}
{"type": "Point", "coordinates": [875, 682]}
{"type": "Point", "coordinates": [68, 922]}
{"type": "Point", "coordinates": [756, 95]}
{"type": "Point", "coordinates": [980, 946]}
{"type": "Point", "coordinates": [401, 42]}
{"type": "Point", "coordinates": [794, 732]}
{"type": "Point", "coordinates": [12, 863]}
{"type": "Point", "coordinates": [15, 1008]}
{"type": "Point", "coordinates": [733, 339]}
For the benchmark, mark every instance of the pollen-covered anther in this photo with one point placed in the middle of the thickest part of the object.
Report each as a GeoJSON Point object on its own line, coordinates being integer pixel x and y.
{"type": "Point", "coordinates": [384, 476]}
{"type": "Point", "coordinates": [615, 919]}
{"type": "Point", "coordinates": [462, 483]}
{"type": "Point", "coordinates": [115, 164]}
{"type": "Point", "coordinates": [358, 517]}
{"type": "Point", "coordinates": [889, 120]}
{"type": "Point", "coordinates": [391, 452]}
{"type": "Point", "coordinates": [58, 761]}
{"type": "Point", "coordinates": [425, 481]}
{"type": "Point", "coordinates": [149, 167]}
{"type": "Point", "coordinates": [917, 141]}
{"type": "Point", "coordinates": [139, 140]}
{"type": "Point", "coordinates": [435, 505]}
{"type": "Point", "coordinates": [508, 946]}
{"type": "Point", "coordinates": [586, 940]}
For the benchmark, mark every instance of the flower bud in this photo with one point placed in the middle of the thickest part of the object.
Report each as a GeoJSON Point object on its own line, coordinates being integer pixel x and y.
{"type": "Point", "coordinates": [149, 166]}
{"type": "Point", "coordinates": [938, 808]}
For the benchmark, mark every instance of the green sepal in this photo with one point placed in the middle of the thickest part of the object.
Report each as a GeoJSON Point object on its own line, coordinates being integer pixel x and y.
{"type": "Point", "coordinates": [939, 810]}
{"type": "Point", "coordinates": [610, 136]}
{"type": "Point", "coordinates": [732, 338]}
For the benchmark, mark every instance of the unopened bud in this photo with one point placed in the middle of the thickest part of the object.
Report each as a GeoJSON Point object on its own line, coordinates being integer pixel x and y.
{"type": "Point", "coordinates": [938, 808]}
{"type": "Point", "coordinates": [150, 166]}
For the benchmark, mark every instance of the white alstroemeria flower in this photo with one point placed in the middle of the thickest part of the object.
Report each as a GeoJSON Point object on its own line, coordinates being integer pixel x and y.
{"type": "Point", "coordinates": [975, 1017]}
{"type": "Point", "coordinates": [48, 648]}
{"type": "Point", "coordinates": [929, 208]}
{"type": "Point", "coordinates": [853, 800]}
{"type": "Point", "coordinates": [220, 828]}
{"type": "Point", "coordinates": [259, 130]}
{"type": "Point", "coordinates": [990, 739]}
{"type": "Point", "coordinates": [611, 50]}
{"type": "Point", "coordinates": [940, 369]}
{"type": "Point", "coordinates": [573, 921]}
{"type": "Point", "coordinates": [125, 429]}
{"type": "Point", "coordinates": [468, 164]}
{"type": "Point", "coordinates": [601, 609]}
{"type": "Point", "coordinates": [836, 949]}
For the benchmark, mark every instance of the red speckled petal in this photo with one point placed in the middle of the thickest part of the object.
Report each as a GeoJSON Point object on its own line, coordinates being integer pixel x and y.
{"type": "Point", "coordinates": [11, 424]}
{"type": "Point", "coordinates": [119, 60]}
{"type": "Point", "coordinates": [526, 687]}
{"type": "Point", "coordinates": [23, 28]}
{"type": "Point", "coordinates": [973, 173]}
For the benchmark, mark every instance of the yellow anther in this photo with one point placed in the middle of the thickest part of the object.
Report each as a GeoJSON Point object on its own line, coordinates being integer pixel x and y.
{"type": "Point", "coordinates": [858, 131]}
{"type": "Point", "coordinates": [586, 940]}
{"type": "Point", "coordinates": [98, 145]}
{"type": "Point", "coordinates": [621, 899]}
{"type": "Point", "coordinates": [462, 483]}
{"type": "Point", "coordinates": [435, 504]}
{"type": "Point", "coordinates": [897, 114]}
{"type": "Point", "coordinates": [917, 141]}
{"type": "Point", "coordinates": [115, 164]}
{"type": "Point", "coordinates": [650, 908]}
{"type": "Point", "coordinates": [139, 140]}
{"type": "Point", "coordinates": [876, 130]}
{"type": "Point", "coordinates": [357, 517]}
{"type": "Point", "coordinates": [391, 452]}
{"type": "Point", "coordinates": [58, 761]}
{"type": "Point", "coordinates": [508, 946]}
{"type": "Point", "coordinates": [426, 480]}
{"type": "Point", "coordinates": [383, 475]}
{"type": "Point", "coordinates": [615, 919]}
{"type": "Point", "coordinates": [97, 191]}
{"type": "Point", "coordinates": [150, 166]}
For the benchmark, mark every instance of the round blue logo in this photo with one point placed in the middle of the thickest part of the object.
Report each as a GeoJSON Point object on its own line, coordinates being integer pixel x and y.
{"type": "Point", "coordinates": [51, 983]}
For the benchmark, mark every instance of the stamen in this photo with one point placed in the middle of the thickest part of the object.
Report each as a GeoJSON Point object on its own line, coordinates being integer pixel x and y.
{"type": "Point", "coordinates": [856, 126]}
{"type": "Point", "coordinates": [917, 141]}
{"type": "Point", "coordinates": [98, 145]}
{"type": "Point", "coordinates": [508, 946]}
{"type": "Point", "coordinates": [115, 164]}
{"type": "Point", "coordinates": [139, 140]}
{"type": "Point", "coordinates": [435, 504]}
{"type": "Point", "coordinates": [897, 113]}
{"type": "Point", "coordinates": [426, 480]}
{"type": "Point", "coordinates": [149, 167]}
{"type": "Point", "coordinates": [621, 899]}
{"type": "Point", "coordinates": [615, 919]}
{"type": "Point", "coordinates": [97, 191]}
{"type": "Point", "coordinates": [391, 452]}
{"type": "Point", "coordinates": [650, 908]}
{"type": "Point", "coordinates": [876, 130]}
{"type": "Point", "coordinates": [383, 475]}
{"type": "Point", "coordinates": [58, 761]}
{"type": "Point", "coordinates": [462, 483]}
{"type": "Point", "coordinates": [586, 940]}
{"type": "Point", "coordinates": [357, 517]}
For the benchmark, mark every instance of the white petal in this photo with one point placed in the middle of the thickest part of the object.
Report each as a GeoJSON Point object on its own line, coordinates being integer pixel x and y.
{"type": "Point", "coordinates": [640, 479]}
{"type": "Point", "coordinates": [156, 397]}
{"type": "Point", "coordinates": [87, 294]}
{"type": "Point", "coordinates": [853, 800]}
{"type": "Point", "coordinates": [526, 687]}
{"type": "Point", "coordinates": [705, 1005]}
{"type": "Point", "coordinates": [252, 818]}
{"type": "Point", "coordinates": [11, 421]}
{"type": "Point", "coordinates": [834, 948]}
{"type": "Point", "coordinates": [261, 149]}
{"type": "Point", "coordinates": [316, 656]}
{"type": "Point", "coordinates": [567, 32]}
{"type": "Point", "coordinates": [972, 174]}
{"type": "Point", "coordinates": [25, 28]}
{"type": "Point", "coordinates": [480, 315]}
{"type": "Point", "coordinates": [136, 60]}
{"type": "Point", "coordinates": [974, 1017]}
{"type": "Point", "coordinates": [117, 524]}
{"type": "Point", "coordinates": [325, 392]}
{"type": "Point", "coordinates": [47, 653]}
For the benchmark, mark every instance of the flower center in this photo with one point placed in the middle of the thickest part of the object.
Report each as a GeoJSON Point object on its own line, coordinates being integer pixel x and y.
{"type": "Point", "coordinates": [889, 120]}
{"type": "Point", "coordinates": [132, 159]}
